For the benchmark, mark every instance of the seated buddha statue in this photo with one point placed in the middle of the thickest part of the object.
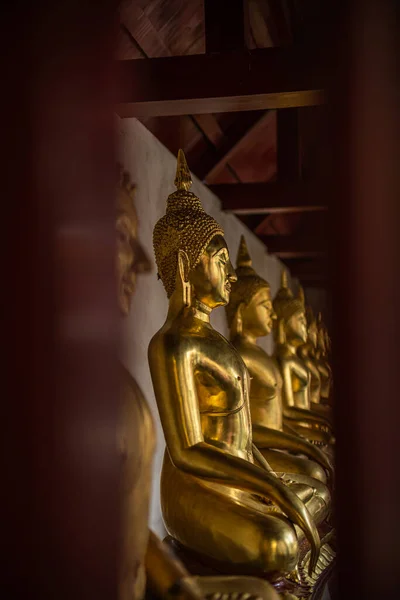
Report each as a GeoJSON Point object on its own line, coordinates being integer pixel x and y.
{"type": "Point", "coordinates": [250, 315]}
{"type": "Point", "coordinates": [219, 496]}
{"type": "Point", "coordinates": [324, 368]}
{"type": "Point", "coordinates": [308, 353]}
{"type": "Point", "coordinates": [290, 331]}
{"type": "Point", "coordinates": [144, 559]}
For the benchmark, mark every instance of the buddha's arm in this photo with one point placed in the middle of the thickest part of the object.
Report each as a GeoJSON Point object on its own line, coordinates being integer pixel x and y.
{"type": "Point", "coordinates": [279, 440]}
{"type": "Point", "coordinates": [324, 369]}
{"type": "Point", "coordinates": [265, 437]}
{"type": "Point", "coordinates": [313, 370]}
{"type": "Point", "coordinates": [290, 411]}
{"type": "Point", "coordinates": [175, 390]}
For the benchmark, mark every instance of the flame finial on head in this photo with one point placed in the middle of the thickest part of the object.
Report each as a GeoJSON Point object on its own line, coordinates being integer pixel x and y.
{"type": "Point", "coordinates": [301, 295]}
{"type": "Point", "coordinates": [243, 257]}
{"type": "Point", "coordinates": [183, 180]}
{"type": "Point", "coordinates": [285, 305]}
{"type": "Point", "coordinates": [248, 282]}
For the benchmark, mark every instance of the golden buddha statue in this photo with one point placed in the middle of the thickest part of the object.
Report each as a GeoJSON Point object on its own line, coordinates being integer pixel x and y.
{"type": "Point", "coordinates": [324, 368]}
{"type": "Point", "coordinates": [290, 330]}
{"type": "Point", "coordinates": [220, 498]}
{"type": "Point", "coordinates": [250, 316]}
{"type": "Point", "coordinates": [142, 555]}
{"type": "Point", "coordinates": [308, 353]}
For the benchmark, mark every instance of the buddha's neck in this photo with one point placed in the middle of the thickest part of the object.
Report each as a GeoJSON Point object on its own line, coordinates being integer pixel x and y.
{"type": "Point", "coordinates": [307, 349]}
{"type": "Point", "coordinates": [197, 309]}
{"type": "Point", "coordinates": [249, 338]}
{"type": "Point", "coordinates": [291, 346]}
{"type": "Point", "coordinates": [201, 311]}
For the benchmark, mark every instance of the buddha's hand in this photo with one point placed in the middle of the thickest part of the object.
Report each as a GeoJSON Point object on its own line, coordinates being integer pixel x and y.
{"type": "Point", "coordinates": [297, 512]}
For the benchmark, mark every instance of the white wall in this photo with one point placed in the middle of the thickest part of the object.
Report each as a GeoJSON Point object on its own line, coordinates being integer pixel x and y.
{"type": "Point", "coordinates": [152, 168]}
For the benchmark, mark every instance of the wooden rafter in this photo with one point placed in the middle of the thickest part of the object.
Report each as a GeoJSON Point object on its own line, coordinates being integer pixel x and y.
{"type": "Point", "coordinates": [271, 197]}
{"type": "Point", "coordinates": [226, 82]}
{"type": "Point", "coordinates": [131, 15]}
{"type": "Point", "coordinates": [288, 161]}
{"type": "Point", "coordinates": [234, 137]}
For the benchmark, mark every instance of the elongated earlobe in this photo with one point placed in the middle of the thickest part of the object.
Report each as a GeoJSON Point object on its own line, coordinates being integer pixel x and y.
{"type": "Point", "coordinates": [184, 283]}
{"type": "Point", "coordinates": [281, 332]}
{"type": "Point", "coordinates": [237, 323]}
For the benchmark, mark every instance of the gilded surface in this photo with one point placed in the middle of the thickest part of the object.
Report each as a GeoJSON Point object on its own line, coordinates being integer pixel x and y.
{"type": "Point", "coordinates": [141, 552]}
{"type": "Point", "coordinates": [250, 316]}
{"type": "Point", "coordinates": [219, 495]}
{"type": "Point", "coordinates": [317, 366]}
{"type": "Point", "coordinates": [290, 331]}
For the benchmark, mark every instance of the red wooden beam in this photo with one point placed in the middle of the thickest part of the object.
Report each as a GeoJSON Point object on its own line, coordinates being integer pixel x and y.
{"type": "Point", "coordinates": [271, 197]}
{"type": "Point", "coordinates": [226, 82]}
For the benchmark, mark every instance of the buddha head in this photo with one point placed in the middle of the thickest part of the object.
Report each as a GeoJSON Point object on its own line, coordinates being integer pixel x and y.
{"type": "Point", "coordinates": [250, 308]}
{"type": "Point", "coordinates": [190, 250]}
{"type": "Point", "coordinates": [291, 315]}
{"type": "Point", "coordinates": [130, 256]}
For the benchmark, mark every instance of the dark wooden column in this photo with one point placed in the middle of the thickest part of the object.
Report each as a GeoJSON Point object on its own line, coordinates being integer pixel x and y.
{"type": "Point", "coordinates": [59, 392]}
{"type": "Point", "coordinates": [224, 25]}
{"type": "Point", "coordinates": [288, 145]}
{"type": "Point", "coordinates": [364, 251]}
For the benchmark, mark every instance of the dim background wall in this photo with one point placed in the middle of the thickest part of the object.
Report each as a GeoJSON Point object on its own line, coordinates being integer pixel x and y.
{"type": "Point", "coordinates": [152, 168]}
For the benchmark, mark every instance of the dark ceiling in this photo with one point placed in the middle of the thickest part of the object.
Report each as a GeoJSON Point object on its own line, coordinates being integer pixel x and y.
{"type": "Point", "coordinates": [284, 146]}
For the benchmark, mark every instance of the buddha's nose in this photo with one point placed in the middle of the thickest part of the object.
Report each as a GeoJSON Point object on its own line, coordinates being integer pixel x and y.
{"type": "Point", "coordinates": [231, 273]}
{"type": "Point", "coordinates": [274, 316]}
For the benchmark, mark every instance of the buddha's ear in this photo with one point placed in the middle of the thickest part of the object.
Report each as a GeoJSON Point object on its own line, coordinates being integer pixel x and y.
{"type": "Point", "coordinates": [237, 323]}
{"type": "Point", "coordinates": [183, 266]}
{"type": "Point", "coordinates": [182, 278]}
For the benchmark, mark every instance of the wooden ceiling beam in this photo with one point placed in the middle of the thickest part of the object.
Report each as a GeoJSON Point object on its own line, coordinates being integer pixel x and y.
{"type": "Point", "coordinates": [271, 197]}
{"type": "Point", "coordinates": [224, 32]}
{"type": "Point", "coordinates": [288, 160]}
{"type": "Point", "coordinates": [233, 139]}
{"type": "Point", "coordinates": [227, 82]}
{"type": "Point", "coordinates": [294, 246]}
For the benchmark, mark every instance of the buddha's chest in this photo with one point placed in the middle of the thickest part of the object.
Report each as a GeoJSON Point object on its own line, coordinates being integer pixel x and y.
{"type": "Point", "coordinates": [269, 385]}
{"type": "Point", "coordinates": [299, 374]}
{"type": "Point", "coordinates": [221, 379]}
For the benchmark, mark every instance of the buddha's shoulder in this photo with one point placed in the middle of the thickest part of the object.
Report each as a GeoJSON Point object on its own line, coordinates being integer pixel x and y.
{"type": "Point", "coordinates": [283, 354]}
{"type": "Point", "coordinates": [185, 333]}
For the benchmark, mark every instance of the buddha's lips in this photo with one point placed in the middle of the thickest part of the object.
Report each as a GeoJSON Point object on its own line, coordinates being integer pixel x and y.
{"type": "Point", "coordinates": [228, 287]}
